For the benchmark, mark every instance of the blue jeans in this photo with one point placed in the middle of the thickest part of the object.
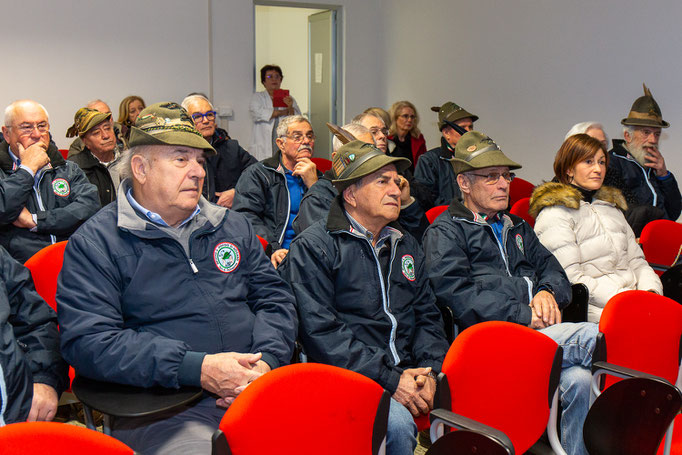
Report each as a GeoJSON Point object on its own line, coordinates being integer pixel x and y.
{"type": "Point", "coordinates": [401, 435]}
{"type": "Point", "coordinates": [577, 341]}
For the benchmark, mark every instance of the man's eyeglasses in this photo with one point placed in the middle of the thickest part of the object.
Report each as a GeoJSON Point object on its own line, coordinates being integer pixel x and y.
{"type": "Point", "coordinates": [27, 128]}
{"type": "Point", "coordinates": [376, 131]}
{"type": "Point", "coordinates": [198, 116]}
{"type": "Point", "coordinates": [298, 137]}
{"type": "Point", "coordinates": [494, 177]}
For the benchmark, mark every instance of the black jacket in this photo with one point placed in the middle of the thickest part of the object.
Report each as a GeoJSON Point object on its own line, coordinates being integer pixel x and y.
{"type": "Point", "coordinates": [435, 172]}
{"type": "Point", "coordinates": [29, 342]}
{"type": "Point", "coordinates": [481, 280]}
{"type": "Point", "coordinates": [648, 196]}
{"type": "Point", "coordinates": [262, 196]}
{"type": "Point", "coordinates": [316, 202]}
{"type": "Point", "coordinates": [356, 314]}
{"type": "Point", "coordinates": [66, 200]}
{"type": "Point", "coordinates": [97, 174]}
{"type": "Point", "coordinates": [225, 167]}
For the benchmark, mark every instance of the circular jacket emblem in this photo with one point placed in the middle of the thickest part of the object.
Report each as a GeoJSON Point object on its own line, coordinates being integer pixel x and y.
{"type": "Point", "coordinates": [61, 187]}
{"type": "Point", "coordinates": [226, 257]}
{"type": "Point", "coordinates": [407, 263]}
{"type": "Point", "coordinates": [519, 242]}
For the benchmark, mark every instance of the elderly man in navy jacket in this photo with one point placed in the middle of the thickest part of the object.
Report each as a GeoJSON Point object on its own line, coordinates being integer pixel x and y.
{"type": "Point", "coordinates": [362, 293]}
{"type": "Point", "coordinates": [164, 288]}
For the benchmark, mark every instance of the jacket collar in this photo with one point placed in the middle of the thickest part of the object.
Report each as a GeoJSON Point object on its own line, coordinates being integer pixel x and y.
{"type": "Point", "coordinates": [274, 162]}
{"type": "Point", "coordinates": [457, 209]}
{"type": "Point", "coordinates": [445, 152]}
{"type": "Point", "coordinates": [6, 162]}
{"type": "Point", "coordinates": [554, 193]}
{"type": "Point", "coordinates": [337, 220]}
{"type": "Point", "coordinates": [219, 136]}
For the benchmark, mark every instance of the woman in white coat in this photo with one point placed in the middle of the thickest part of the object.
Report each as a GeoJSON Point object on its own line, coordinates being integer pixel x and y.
{"type": "Point", "coordinates": [582, 224]}
{"type": "Point", "coordinates": [265, 116]}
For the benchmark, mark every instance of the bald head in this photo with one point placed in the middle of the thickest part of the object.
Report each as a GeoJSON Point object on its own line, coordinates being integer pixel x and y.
{"type": "Point", "coordinates": [20, 106]}
{"type": "Point", "coordinates": [100, 106]}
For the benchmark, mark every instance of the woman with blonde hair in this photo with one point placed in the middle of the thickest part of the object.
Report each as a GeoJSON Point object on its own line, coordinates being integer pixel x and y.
{"type": "Point", "coordinates": [582, 223]}
{"type": "Point", "coordinates": [128, 110]}
{"type": "Point", "coordinates": [404, 132]}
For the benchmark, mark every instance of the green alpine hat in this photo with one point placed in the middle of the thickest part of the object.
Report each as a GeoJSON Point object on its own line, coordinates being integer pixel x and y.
{"type": "Point", "coordinates": [475, 150]}
{"type": "Point", "coordinates": [358, 159]}
{"type": "Point", "coordinates": [85, 120]}
{"type": "Point", "coordinates": [645, 112]}
{"type": "Point", "coordinates": [451, 112]}
{"type": "Point", "coordinates": [167, 124]}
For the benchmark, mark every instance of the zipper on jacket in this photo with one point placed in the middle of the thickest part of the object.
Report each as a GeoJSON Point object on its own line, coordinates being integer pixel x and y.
{"type": "Point", "coordinates": [39, 199]}
{"type": "Point", "coordinates": [194, 267]}
{"type": "Point", "coordinates": [646, 179]}
{"type": "Point", "coordinates": [283, 174]}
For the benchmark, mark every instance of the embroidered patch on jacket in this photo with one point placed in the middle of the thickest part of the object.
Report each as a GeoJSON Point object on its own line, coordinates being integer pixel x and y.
{"type": "Point", "coordinates": [407, 264]}
{"type": "Point", "coordinates": [61, 187]}
{"type": "Point", "coordinates": [226, 257]}
{"type": "Point", "coordinates": [519, 242]}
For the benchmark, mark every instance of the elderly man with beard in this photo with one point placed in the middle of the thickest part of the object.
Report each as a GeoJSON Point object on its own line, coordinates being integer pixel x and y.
{"type": "Point", "coordinates": [269, 192]}
{"type": "Point", "coordinates": [638, 169]}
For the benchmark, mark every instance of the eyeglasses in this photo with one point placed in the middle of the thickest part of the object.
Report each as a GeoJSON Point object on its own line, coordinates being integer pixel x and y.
{"type": "Point", "coordinates": [298, 137]}
{"type": "Point", "coordinates": [376, 131]}
{"type": "Point", "coordinates": [27, 128]}
{"type": "Point", "coordinates": [494, 177]}
{"type": "Point", "coordinates": [198, 116]}
{"type": "Point", "coordinates": [408, 116]}
{"type": "Point", "coordinates": [273, 76]}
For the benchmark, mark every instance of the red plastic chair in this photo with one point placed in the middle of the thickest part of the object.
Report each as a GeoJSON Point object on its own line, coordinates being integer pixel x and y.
{"type": "Point", "coordinates": [520, 208]}
{"type": "Point", "coordinates": [306, 408]}
{"type": "Point", "coordinates": [64, 152]}
{"type": "Point", "coordinates": [45, 266]}
{"type": "Point", "coordinates": [661, 242]}
{"type": "Point", "coordinates": [518, 189]}
{"type": "Point", "coordinates": [322, 164]}
{"type": "Point", "coordinates": [504, 376]}
{"type": "Point", "coordinates": [639, 332]}
{"type": "Point", "coordinates": [433, 213]}
{"type": "Point", "coordinates": [39, 438]}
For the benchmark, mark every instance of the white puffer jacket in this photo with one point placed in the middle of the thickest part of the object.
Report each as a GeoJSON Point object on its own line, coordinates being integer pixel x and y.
{"type": "Point", "coordinates": [592, 241]}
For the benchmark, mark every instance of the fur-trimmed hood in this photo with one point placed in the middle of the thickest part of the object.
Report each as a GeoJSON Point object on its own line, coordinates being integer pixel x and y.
{"type": "Point", "coordinates": [552, 193]}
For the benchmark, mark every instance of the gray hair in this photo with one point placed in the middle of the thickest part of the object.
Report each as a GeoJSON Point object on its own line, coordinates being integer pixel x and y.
{"type": "Point", "coordinates": [628, 129]}
{"type": "Point", "coordinates": [583, 128]}
{"type": "Point", "coordinates": [283, 127]}
{"type": "Point", "coordinates": [353, 128]}
{"type": "Point", "coordinates": [127, 156]}
{"type": "Point", "coordinates": [192, 99]}
{"type": "Point", "coordinates": [10, 111]}
{"type": "Point", "coordinates": [360, 117]}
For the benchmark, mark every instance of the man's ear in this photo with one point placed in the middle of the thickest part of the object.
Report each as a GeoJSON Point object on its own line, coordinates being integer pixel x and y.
{"type": "Point", "coordinates": [280, 143]}
{"type": "Point", "coordinates": [627, 137]}
{"type": "Point", "coordinates": [464, 184]}
{"type": "Point", "coordinates": [349, 196]}
{"type": "Point", "coordinates": [139, 166]}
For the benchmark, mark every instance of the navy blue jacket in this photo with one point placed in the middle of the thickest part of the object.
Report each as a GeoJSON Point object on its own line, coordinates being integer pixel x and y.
{"type": "Point", "coordinates": [135, 308]}
{"type": "Point", "coordinates": [29, 342]}
{"type": "Point", "coordinates": [358, 315]}
{"type": "Point", "coordinates": [435, 172]}
{"type": "Point", "coordinates": [225, 167]}
{"type": "Point", "coordinates": [482, 280]}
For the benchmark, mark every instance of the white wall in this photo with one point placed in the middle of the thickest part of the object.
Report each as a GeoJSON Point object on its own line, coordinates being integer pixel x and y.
{"type": "Point", "coordinates": [532, 68]}
{"type": "Point", "coordinates": [65, 53]}
{"type": "Point", "coordinates": [282, 39]}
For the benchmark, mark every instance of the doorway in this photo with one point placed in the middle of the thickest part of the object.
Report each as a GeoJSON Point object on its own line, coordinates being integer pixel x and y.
{"type": "Point", "coordinates": [304, 43]}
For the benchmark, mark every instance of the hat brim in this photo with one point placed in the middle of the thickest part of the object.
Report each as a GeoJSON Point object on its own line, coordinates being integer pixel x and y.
{"type": "Point", "coordinates": [644, 122]}
{"type": "Point", "coordinates": [371, 166]}
{"type": "Point", "coordinates": [182, 138]}
{"type": "Point", "coordinates": [491, 159]}
{"type": "Point", "coordinates": [459, 115]}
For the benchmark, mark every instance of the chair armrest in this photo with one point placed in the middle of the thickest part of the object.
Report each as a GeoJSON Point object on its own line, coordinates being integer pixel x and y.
{"type": "Point", "coordinates": [576, 311]}
{"type": "Point", "coordinates": [121, 400]}
{"type": "Point", "coordinates": [602, 368]}
{"type": "Point", "coordinates": [441, 417]}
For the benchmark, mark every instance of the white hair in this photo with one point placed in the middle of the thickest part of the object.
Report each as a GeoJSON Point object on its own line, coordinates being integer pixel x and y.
{"type": "Point", "coordinates": [283, 127]}
{"type": "Point", "coordinates": [192, 99]}
{"type": "Point", "coordinates": [628, 129]}
{"type": "Point", "coordinates": [583, 128]}
{"type": "Point", "coordinates": [355, 129]}
{"type": "Point", "coordinates": [10, 111]}
{"type": "Point", "coordinates": [127, 156]}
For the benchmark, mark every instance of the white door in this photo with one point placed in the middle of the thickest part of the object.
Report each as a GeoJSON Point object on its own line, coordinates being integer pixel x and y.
{"type": "Point", "coordinates": [322, 78]}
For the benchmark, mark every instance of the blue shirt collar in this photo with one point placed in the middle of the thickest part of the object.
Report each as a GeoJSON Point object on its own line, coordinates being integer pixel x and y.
{"type": "Point", "coordinates": [153, 216]}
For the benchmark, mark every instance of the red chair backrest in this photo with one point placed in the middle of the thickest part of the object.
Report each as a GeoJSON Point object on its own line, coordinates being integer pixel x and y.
{"type": "Point", "coordinates": [64, 152]}
{"type": "Point", "coordinates": [518, 189]}
{"type": "Point", "coordinates": [433, 213]}
{"type": "Point", "coordinates": [521, 209]}
{"type": "Point", "coordinates": [39, 438]}
{"type": "Point", "coordinates": [335, 407]}
{"type": "Point", "coordinates": [499, 374]}
{"type": "Point", "coordinates": [642, 331]}
{"type": "Point", "coordinates": [45, 266]}
{"type": "Point", "coordinates": [322, 164]}
{"type": "Point", "coordinates": [661, 241]}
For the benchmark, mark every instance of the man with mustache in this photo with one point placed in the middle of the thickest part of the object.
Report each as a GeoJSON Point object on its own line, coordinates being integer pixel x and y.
{"type": "Point", "coordinates": [100, 156]}
{"type": "Point", "coordinates": [638, 169]}
{"type": "Point", "coordinates": [269, 192]}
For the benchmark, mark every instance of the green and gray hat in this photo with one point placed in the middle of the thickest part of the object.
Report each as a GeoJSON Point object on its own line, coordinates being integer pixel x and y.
{"type": "Point", "coordinates": [85, 120]}
{"type": "Point", "coordinates": [451, 112]}
{"type": "Point", "coordinates": [645, 112]}
{"type": "Point", "coordinates": [475, 150]}
{"type": "Point", "coordinates": [167, 124]}
{"type": "Point", "coordinates": [358, 159]}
